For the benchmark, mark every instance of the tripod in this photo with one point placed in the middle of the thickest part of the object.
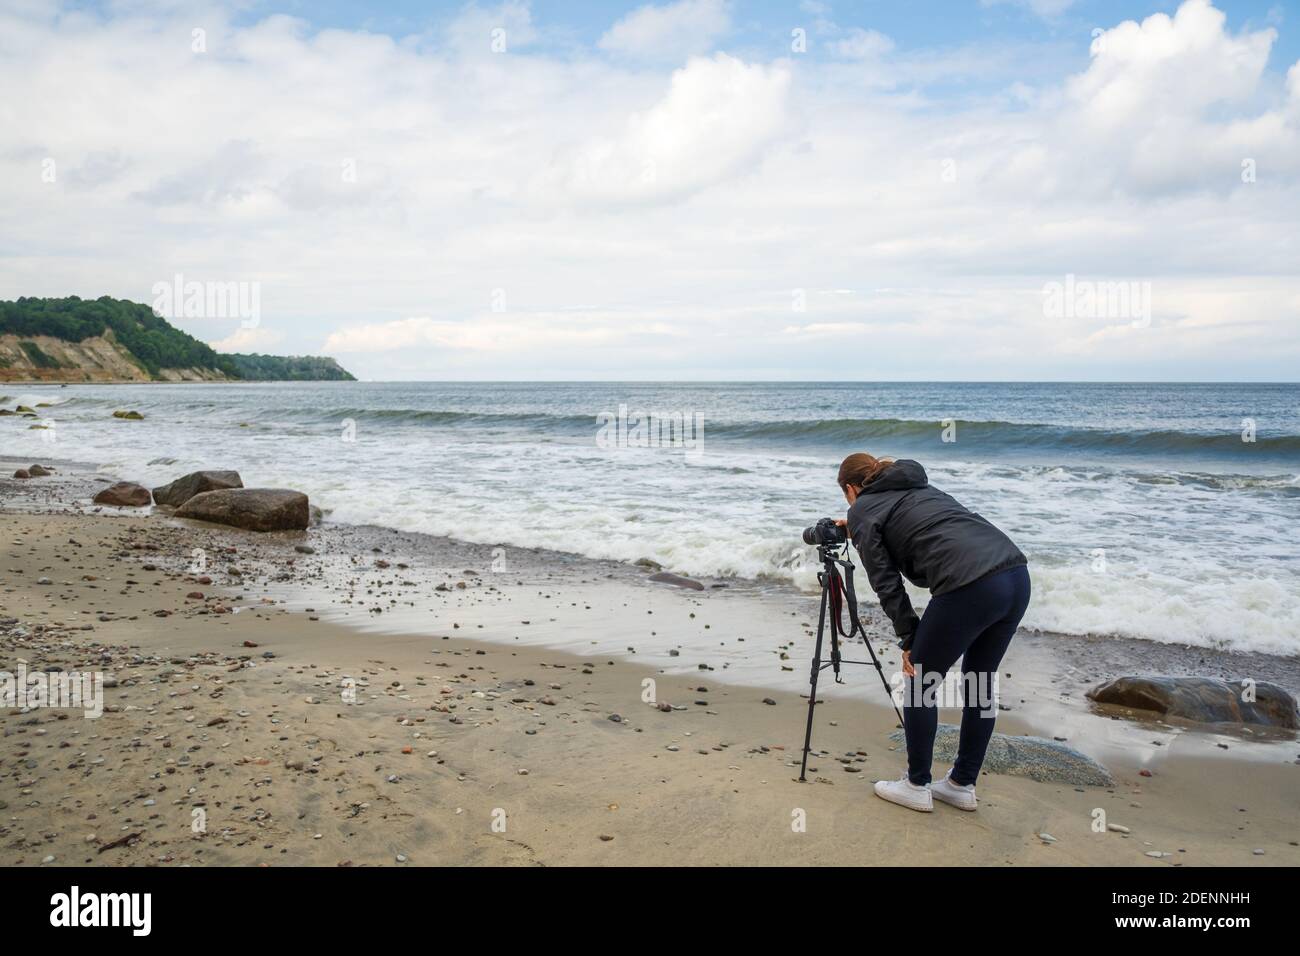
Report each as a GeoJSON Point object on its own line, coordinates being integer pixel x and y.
{"type": "Point", "coordinates": [837, 591]}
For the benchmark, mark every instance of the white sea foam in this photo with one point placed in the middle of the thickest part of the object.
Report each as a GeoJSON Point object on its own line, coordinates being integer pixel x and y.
{"type": "Point", "coordinates": [1187, 555]}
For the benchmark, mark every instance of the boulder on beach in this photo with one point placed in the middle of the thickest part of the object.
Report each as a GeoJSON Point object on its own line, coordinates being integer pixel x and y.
{"type": "Point", "coordinates": [181, 490]}
{"type": "Point", "coordinates": [22, 473]}
{"type": "Point", "coordinates": [667, 577]}
{"type": "Point", "coordinates": [39, 471]}
{"type": "Point", "coordinates": [1034, 757]}
{"type": "Point", "coordinates": [1206, 700]}
{"type": "Point", "coordinates": [254, 509]}
{"type": "Point", "coordinates": [24, 409]}
{"type": "Point", "coordinates": [124, 494]}
{"type": "Point", "coordinates": [129, 416]}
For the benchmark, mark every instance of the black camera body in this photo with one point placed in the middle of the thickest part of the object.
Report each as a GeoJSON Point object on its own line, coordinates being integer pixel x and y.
{"type": "Point", "coordinates": [825, 534]}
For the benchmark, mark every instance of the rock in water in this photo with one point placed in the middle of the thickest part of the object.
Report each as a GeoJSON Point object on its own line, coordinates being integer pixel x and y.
{"type": "Point", "coordinates": [22, 473]}
{"type": "Point", "coordinates": [39, 471]}
{"type": "Point", "coordinates": [131, 416]}
{"type": "Point", "coordinates": [1034, 757]}
{"type": "Point", "coordinates": [183, 489]}
{"type": "Point", "coordinates": [124, 494]}
{"type": "Point", "coordinates": [254, 509]}
{"type": "Point", "coordinates": [667, 577]}
{"type": "Point", "coordinates": [1206, 700]}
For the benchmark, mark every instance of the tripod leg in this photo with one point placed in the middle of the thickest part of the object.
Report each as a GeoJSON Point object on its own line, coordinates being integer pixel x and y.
{"type": "Point", "coordinates": [812, 680]}
{"type": "Point", "coordinates": [881, 671]}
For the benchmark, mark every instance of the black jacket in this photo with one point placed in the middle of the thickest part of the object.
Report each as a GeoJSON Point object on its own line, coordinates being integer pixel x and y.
{"type": "Point", "coordinates": [901, 524]}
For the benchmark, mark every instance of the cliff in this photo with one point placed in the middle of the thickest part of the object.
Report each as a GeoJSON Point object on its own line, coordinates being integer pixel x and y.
{"type": "Point", "coordinates": [113, 340]}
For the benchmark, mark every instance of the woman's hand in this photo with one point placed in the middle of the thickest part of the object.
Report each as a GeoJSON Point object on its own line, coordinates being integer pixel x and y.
{"type": "Point", "coordinates": [908, 669]}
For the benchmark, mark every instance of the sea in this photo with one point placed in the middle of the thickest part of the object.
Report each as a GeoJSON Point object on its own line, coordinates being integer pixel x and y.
{"type": "Point", "coordinates": [1165, 512]}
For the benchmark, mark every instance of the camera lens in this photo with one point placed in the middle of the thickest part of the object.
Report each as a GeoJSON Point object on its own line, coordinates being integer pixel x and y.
{"type": "Point", "coordinates": [824, 532]}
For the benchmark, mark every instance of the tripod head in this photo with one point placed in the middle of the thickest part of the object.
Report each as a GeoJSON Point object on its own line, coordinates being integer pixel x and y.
{"type": "Point", "coordinates": [829, 553]}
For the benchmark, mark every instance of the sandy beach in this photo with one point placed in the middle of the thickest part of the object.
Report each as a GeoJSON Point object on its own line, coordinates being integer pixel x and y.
{"type": "Point", "coordinates": [352, 696]}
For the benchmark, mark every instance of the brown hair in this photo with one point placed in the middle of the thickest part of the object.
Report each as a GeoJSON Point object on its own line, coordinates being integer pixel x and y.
{"type": "Point", "coordinates": [860, 469]}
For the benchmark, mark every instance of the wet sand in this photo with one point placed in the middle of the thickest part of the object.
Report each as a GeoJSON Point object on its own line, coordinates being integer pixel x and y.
{"type": "Point", "coordinates": [334, 707]}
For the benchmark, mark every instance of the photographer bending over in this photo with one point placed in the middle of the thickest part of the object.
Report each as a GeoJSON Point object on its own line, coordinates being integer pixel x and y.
{"type": "Point", "coordinates": [979, 582]}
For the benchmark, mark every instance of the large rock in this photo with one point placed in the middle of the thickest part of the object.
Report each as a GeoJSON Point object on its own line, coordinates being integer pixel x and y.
{"type": "Point", "coordinates": [676, 580]}
{"type": "Point", "coordinates": [39, 471]}
{"type": "Point", "coordinates": [1034, 757]}
{"type": "Point", "coordinates": [255, 509]}
{"type": "Point", "coordinates": [124, 494]}
{"type": "Point", "coordinates": [130, 416]}
{"type": "Point", "coordinates": [1202, 699]}
{"type": "Point", "coordinates": [183, 489]}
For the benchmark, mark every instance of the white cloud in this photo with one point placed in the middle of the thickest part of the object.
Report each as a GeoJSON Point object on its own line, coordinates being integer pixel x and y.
{"type": "Point", "coordinates": [1171, 103]}
{"type": "Point", "coordinates": [1182, 64]}
{"type": "Point", "coordinates": [671, 31]}
{"type": "Point", "coordinates": [716, 120]}
{"type": "Point", "coordinates": [253, 339]}
{"type": "Point", "coordinates": [491, 31]}
{"type": "Point", "coordinates": [654, 222]}
{"type": "Point", "coordinates": [862, 44]}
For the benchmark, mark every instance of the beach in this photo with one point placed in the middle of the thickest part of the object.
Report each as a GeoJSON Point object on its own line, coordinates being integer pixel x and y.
{"type": "Point", "coordinates": [360, 696]}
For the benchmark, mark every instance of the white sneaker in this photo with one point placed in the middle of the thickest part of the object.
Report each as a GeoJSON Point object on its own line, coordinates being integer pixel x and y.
{"type": "Point", "coordinates": [963, 798]}
{"type": "Point", "coordinates": [905, 793]}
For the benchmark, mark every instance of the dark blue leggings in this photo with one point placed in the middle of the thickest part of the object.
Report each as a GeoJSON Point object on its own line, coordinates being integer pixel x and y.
{"type": "Point", "coordinates": [976, 623]}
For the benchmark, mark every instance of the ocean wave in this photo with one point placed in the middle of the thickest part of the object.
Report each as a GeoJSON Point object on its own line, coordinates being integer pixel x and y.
{"type": "Point", "coordinates": [972, 436]}
{"type": "Point", "coordinates": [423, 416]}
{"type": "Point", "coordinates": [1003, 435]}
{"type": "Point", "coordinates": [1204, 527]}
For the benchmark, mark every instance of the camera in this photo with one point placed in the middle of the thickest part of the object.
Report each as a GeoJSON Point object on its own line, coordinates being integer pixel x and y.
{"type": "Point", "coordinates": [825, 533]}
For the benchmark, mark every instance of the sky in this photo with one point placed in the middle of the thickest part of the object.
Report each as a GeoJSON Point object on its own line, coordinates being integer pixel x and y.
{"type": "Point", "coordinates": [690, 190]}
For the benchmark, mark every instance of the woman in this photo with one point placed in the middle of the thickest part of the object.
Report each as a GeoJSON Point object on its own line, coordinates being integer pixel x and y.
{"type": "Point", "coordinates": [979, 582]}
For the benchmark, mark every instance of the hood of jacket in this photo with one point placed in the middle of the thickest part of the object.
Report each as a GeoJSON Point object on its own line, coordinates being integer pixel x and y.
{"type": "Point", "coordinates": [900, 476]}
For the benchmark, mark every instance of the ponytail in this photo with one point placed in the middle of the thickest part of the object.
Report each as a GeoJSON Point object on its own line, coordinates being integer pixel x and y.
{"type": "Point", "coordinates": [861, 469]}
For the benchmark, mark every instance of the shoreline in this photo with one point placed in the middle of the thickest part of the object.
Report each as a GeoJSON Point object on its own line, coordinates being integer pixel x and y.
{"type": "Point", "coordinates": [422, 460]}
{"type": "Point", "coordinates": [725, 794]}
